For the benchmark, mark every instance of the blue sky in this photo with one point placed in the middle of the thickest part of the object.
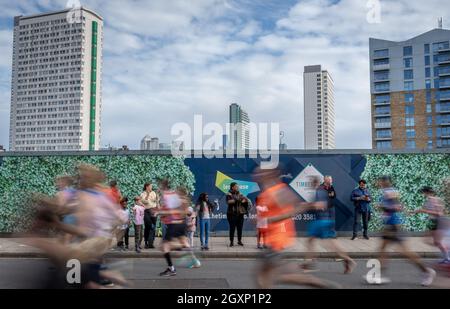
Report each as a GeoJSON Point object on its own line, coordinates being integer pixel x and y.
{"type": "Point", "coordinates": [166, 60]}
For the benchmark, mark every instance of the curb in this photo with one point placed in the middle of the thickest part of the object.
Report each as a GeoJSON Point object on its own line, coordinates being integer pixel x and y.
{"type": "Point", "coordinates": [229, 255]}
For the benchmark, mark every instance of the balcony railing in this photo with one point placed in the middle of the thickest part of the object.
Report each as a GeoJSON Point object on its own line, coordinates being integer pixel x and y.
{"type": "Point", "coordinates": [381, 67]}
{"type": "Point", "coordinates": [383, 138]}
{"type": "Point", "coordinates": [382, 125]}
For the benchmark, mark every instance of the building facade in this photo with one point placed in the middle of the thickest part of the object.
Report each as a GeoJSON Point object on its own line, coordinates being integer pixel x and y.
{"type": "Point", "coordinates": [410, 92]}
{"type": "Point", "coordinates": [239, 136]}
{"type": "Point", "coordinates": [56, 82]}
{"type": "Point", "coordinates": [319, 115]}
{"type": "Point", "coordinates": [149, 143]}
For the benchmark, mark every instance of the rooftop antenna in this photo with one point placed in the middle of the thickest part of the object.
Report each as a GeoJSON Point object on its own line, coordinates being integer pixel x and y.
{"type": "Point", "coordinates": [440, 22]}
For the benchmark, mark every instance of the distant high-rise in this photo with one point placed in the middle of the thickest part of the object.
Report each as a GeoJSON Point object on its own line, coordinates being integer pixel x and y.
{"type": "Point", "coordinates": [410, 88]}
{"type": "Point", "coordinates": [239, 136]}
{"type": "Point", "coordinates": [56, 82]}
{"type": "Point", "coordinates": [149, 143]}
{"type": "Point", "coordinates": [318, 89]}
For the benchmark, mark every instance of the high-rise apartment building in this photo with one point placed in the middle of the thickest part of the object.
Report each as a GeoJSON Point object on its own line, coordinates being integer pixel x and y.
{"type": "Point", "coordinates": [319, 115]}
{"type": "Point", "coordinates": [149, 143]}
{"type": "Point", "coordinates": [56, 81]}
{"type": "Point", "coordinates": [239, 136]}
{"type": "Point", "coordinates": [410, 90]}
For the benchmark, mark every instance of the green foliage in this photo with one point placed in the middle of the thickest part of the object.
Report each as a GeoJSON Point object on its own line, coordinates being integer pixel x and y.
{"type": "Point", "coordinates": [409, 172]}
{"type": "Point", "coordinates": [22, 176]}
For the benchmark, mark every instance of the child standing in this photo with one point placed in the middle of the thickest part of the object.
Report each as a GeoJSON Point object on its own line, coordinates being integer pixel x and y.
{"type": "Point", "coordinates": [138, 212]}
{"type": "Point", "coordinates": [261, 225]}
{"type": "Point", "coordinates": [191, 222]}
{"type": "Point", "coordinates": [124, 229]}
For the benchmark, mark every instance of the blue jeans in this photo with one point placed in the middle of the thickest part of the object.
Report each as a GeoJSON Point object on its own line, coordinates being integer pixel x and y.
{"type": "Point", "coordinates": [204, 231]}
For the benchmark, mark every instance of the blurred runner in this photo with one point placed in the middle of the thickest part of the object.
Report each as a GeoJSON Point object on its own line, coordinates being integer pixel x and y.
{"type": "Point", "coordinates": [434, 208]}
{"type": "Point", "coordinates": [281, 205]}
{"type": "Point", "coordinates": [173, 215]}
{"type": "Point", "coordinates": [96, 220]}
{"type": "Point", "coordinates": [391, 206]}
{"type": "Point", "coordinates": [322, 227]}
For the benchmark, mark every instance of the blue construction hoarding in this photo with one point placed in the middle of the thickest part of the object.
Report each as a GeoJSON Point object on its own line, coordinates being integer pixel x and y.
{"type": "Point", "coordinates": [214, 175]}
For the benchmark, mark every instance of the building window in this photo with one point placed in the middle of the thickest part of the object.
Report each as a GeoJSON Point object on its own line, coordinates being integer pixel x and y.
{"type": "Point", "coordinates": [427, 60]}
{"type": "Point", "coordinates": [443, 132]}
{"type": "Point", "coordinates": [409, 86]}
{"type": "Point", "coordinates": [408, 62]}
{"type": "Point", "coordinates": [439, 46]}
{"type": "Point", "coordinates": [409, 97]}
{"type": "Point", "coordinates": [384, 134]}
{"type": "Point", "coordinates": [444, 70]}
{"type": "Point", "coordinates": [408, 74]}
{"type": "Point", "coordinates": [430, 120]}
{"type": "Point", "coordinates": [428, 84]}
{"type": "Point", "coordinates": [427, 48]}
{"type": "Point", "coordinates": [410, 144]}
{"type": "Point", "coordinates": [409, 109]}
{"type": "Point", "coordinates": [381, 75]}
{"type": "Point", "coordinates": [435, 58]}
{"type": "Point", "coordinates": [428, 108]}
{"type": "Point", "coordinates": [384, 98]}
{"type": "Point", "coordinates": [427, 72]}
{"type": "Point", "coordinates": [430, 144]}
{"type": "Point", "coordinates": [430, 132]}
{"type": "Point", "coordinates": [407, 51]}
{"type": "Point", "coordinates": [384, 145]}
{"type": "Point", "coordinates": [410, 133]}
{"type": "Point", "coordinates": [382, 86]}
{"type": "Point", "coordinates": [409, 121]}
{"type": "Point", "coordinates": [382, 110]}
{"type": "Point", "coordinates": [381, 61]}
{"type": "Point", "coordinates": [381, 53]}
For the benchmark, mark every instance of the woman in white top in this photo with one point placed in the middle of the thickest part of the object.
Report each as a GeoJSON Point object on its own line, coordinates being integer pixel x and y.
{"type": "Point", "coordinates": [150, 201]}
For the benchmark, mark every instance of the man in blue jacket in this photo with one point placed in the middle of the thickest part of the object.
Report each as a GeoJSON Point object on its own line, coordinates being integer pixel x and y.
{"type": "Point", "coordinates": [361, 199]}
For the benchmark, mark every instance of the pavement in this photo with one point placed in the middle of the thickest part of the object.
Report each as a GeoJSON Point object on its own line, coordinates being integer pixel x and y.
{"type": "Point", "coordinates": [219, 249]}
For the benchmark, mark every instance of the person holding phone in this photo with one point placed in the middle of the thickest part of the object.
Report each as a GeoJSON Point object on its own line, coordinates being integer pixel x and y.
{"type": "Point", "coordinates": [361, 200]}
{"type": "Point", "coordinates": [238, 206]}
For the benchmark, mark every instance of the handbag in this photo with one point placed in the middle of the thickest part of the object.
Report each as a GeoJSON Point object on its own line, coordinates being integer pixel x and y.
{"type": "Point", "coordinates": [241, 209]}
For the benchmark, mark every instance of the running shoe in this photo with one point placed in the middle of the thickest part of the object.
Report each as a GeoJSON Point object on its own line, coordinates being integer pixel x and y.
{"type": "Point", "coordinates": [168, 273]}
{"type": "Point", "coordinates": [428, 277]}
{"type": "Point", "coordinates": [195, 263]}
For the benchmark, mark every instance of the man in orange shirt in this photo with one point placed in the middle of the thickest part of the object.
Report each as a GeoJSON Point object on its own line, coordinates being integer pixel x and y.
{"type": "Point", "coordinates": [282, 205]}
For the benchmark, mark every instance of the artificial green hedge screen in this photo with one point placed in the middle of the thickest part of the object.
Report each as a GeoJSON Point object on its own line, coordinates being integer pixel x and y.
{"type": "Point", "coordinates": [19, 176]}
{"type": "Point", "coordinates": [409, 172]}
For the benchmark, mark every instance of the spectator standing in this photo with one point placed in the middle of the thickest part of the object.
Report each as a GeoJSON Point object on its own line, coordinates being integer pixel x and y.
{"type": "Point", "coordinates": [191, 222]}
{"type": "Point", "coordinates": [204, 209]}
{"type": "Point", "coordinates": [361, 200]}
{"type": "Point", "coordinates": [238, 206]}
{"type": "Point", "coordinates": [328, 187]}
{"type": "Point", "coordinates": [138, 214]}
{"type": "Point", "coordinates": [123, 235]}
{"type": "Point", "coordinates": [150, 202]}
